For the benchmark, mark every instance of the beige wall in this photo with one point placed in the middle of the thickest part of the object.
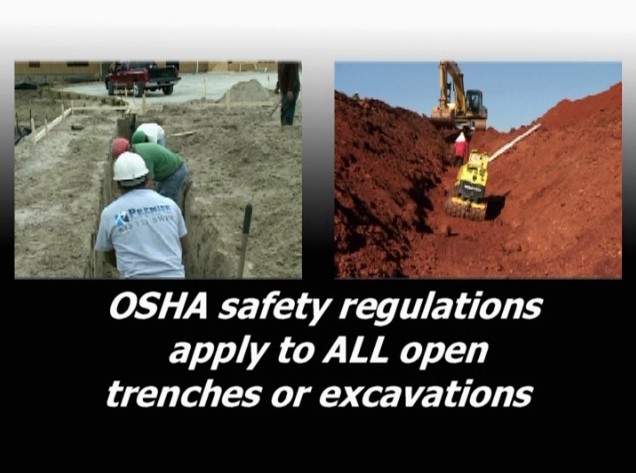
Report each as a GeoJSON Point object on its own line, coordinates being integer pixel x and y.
{"type": "Point", "coordinates": [59, 67]}
{"type": "Point", "coordinates": [188, 67]}
{"type": "Point", "coordinates": [39, 72]}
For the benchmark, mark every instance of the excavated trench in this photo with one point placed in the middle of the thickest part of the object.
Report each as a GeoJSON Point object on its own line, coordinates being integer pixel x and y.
{"type": "Point", "coordinates": [207, 257]}
{"type": "Point", "coordinates": [554, 198]}
{"type": "Point", "coordinates": [236, 152]}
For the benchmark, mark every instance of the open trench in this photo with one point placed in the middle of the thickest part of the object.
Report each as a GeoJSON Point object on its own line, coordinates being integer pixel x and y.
{"type": "Point", "coordinates": [207, 257]}
{"type": "Point", "coordinates": [236, 152]}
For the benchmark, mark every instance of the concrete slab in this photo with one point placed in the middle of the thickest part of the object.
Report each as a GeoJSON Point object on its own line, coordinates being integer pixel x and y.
{"type": "Point", "coordinates": [210, 85]}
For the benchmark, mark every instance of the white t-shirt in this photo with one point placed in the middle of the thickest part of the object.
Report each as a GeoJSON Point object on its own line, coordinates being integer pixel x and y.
{"type": "Point", "coordinates": [145, 230]}
{"type": "Point", "coordinates": [154, 132]}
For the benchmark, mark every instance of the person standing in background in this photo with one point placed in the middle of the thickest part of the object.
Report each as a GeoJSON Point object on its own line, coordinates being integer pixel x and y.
{"type": "Point", "coordinates": [288, 85]}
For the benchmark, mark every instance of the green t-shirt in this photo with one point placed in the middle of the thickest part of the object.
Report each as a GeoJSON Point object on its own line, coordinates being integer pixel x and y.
{"type": "Point", "coordinates": [160, 161]}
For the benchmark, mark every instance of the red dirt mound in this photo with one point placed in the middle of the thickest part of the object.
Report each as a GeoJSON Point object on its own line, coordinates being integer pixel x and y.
{"type": "Point", "coordinates": [554, 199]}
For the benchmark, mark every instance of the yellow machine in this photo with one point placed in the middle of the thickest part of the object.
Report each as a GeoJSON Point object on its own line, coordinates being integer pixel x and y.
{"type": "Point", "coordinates": [467, 110]}
{"type": "Point", "coordinates": [468, 197]}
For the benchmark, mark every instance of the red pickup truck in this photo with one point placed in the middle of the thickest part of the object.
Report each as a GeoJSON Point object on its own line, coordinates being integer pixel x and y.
{"type": "Point", "coordinates": [141, 76]}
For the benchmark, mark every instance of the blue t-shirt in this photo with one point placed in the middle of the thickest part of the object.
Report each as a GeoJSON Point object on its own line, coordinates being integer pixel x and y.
{"type": "Point", "coordinates": [145, 230]}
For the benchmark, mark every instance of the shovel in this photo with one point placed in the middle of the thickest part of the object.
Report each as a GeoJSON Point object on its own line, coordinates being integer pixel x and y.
{"type": "Point", "coordinates": [247, 219]}
{"type": "Point", "coordinates": [276, 108]}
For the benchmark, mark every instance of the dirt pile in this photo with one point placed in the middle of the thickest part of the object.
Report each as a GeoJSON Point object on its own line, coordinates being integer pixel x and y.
{"type": "Point", "coordinates": [555, 199]}
{"type": "Point", "coordinates": [387, 160]}
{"type": "Point", "coordinates": [247, 91]}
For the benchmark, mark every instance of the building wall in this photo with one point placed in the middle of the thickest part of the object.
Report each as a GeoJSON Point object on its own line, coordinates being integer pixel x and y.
{"type": "Point", "coordinates": [59, 67]}
{"type": "Point", "coordinates": [191, 67]}
{"type": "Point", "coordinates": [44, 72]}
{"type": "Point", "coordinates": [246, 66]}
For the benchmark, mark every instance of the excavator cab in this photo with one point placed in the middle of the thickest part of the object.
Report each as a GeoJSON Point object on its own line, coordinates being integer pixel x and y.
{"type": "Point", "coordinates": [476, 114]}
{"type": "Point", "coordinates": [474, 99]}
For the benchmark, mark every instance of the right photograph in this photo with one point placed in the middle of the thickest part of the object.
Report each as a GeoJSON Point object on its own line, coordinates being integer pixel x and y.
{"type": "Point", "coordinates": [464, 169]}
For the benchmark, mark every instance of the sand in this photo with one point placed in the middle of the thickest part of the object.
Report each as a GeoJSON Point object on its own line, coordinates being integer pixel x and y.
{"type": "Point", "coordinates": [236, 151]}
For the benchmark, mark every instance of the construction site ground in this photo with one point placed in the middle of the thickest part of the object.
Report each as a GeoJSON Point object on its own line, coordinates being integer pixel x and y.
{"type": "Point", "coordinates": [554, 199]}
{"type": "Point", "coordinates": [236, 151]}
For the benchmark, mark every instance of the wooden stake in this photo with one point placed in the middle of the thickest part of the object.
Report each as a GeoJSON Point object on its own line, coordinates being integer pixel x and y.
{"type": "Point", "coordinates": [184, 133]}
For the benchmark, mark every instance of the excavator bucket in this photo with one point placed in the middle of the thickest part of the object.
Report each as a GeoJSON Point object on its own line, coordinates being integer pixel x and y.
{"type": "Point", "coordinates": [441, 117]}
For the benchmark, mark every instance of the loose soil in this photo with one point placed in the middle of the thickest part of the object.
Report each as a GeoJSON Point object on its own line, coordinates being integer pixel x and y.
{"type": "Point", "coordinates": [236, 151]}
{"type": "Point", "coordinates": [554, 199]}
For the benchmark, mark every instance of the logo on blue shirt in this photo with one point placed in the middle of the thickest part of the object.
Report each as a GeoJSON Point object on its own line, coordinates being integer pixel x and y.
{"type": "Point", "coordinates": [121, 219]}
{"type": "Point", "coordinates": [127, 216]}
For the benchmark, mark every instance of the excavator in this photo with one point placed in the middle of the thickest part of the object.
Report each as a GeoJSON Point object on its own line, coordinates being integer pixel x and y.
{"type": "Point", "coordinates": [467, 111]}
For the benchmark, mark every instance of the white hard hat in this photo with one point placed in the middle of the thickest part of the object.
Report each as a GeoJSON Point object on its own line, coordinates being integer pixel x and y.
{"type": "Point", "coordinates": [129, 169]}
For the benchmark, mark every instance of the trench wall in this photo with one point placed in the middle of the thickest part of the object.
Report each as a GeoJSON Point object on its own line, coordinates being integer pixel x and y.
{"type": "Point", "coordinates": [207, 257]}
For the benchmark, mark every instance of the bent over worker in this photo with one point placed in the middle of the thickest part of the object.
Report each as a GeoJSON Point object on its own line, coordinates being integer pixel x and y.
{"type": "Point", "coordinates": [149, 133]}
{"type": "Point", "coordinates": [142, 232]}
{"type": "Point", "coordinates": [167, 171]}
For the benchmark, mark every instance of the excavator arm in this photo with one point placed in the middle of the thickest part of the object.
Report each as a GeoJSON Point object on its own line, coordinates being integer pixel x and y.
{"type": "Point", "coordinates": [451, 68]}
{"type": "Point", "coordinates": [458, 113]}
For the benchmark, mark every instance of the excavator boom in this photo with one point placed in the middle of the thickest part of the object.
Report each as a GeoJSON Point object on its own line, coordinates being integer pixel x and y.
{"type": "Point", "coordinates": [467, 110]}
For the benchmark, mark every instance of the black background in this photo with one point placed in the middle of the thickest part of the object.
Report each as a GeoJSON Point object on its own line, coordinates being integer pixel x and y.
{"type": "Point", "coordinates": [72, 350]}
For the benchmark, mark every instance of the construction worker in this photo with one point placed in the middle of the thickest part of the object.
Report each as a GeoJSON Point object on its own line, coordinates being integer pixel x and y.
{"type": "Point", "coordinates": [142, 232]}
{"type": "Point", "coordinates": [167, 172]}
{"type": "Point", "coordinates": [461, 149]}
{"type": "Point", "coordinates": [288, 85]}
{"type": "Point", "coordinates": [149, 133]}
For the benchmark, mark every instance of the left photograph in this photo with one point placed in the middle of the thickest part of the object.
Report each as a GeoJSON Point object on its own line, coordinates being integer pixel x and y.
{"type": "Point", "coordinates": [155, 169]}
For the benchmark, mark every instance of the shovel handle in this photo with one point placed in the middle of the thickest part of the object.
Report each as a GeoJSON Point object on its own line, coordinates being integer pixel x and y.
{"type": "Point", "coordinates": [276, 107]}
{"type": "Point", "coordinates": [247, 219]}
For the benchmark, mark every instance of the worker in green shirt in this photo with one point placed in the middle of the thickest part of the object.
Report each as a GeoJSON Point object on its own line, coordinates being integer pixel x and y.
{"type": "Point", "coordinates": [167, 171]}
